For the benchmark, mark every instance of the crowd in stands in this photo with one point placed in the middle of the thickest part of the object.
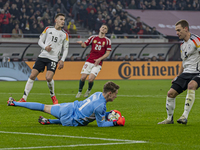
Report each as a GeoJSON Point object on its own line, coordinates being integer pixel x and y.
{"type": "Point", "coordinates": [193, 5]}
{"type": "Point", "coordinates": [92, 14]}
{"type": "Point", "coordinates": [32, 16]}
{"type": "Point", "coordinates": [20, 16]}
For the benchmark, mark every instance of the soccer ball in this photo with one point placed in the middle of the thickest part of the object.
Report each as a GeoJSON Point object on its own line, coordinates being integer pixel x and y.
{"type": "Point", "coordinates": [113, 116]}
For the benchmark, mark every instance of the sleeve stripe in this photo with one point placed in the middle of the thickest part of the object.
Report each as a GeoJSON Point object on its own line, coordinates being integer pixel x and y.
{"type": "Point", "coordinates": [67, 37]}
{"type": "Point", "coordinates": [45, 30]}
{"type": "Point", "coordinates": [92, 38]}
{"type": "Point", "coordinates": [196, 42]}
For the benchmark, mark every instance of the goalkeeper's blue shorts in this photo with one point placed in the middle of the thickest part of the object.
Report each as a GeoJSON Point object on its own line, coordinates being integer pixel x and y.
{"type": "Point", "coordinates": [64, 112]}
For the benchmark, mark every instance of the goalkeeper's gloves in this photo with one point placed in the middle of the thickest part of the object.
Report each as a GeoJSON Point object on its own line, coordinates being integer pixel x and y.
{"type": "Point", "coordinates": [116, 111]}
{"type": "Point", "coordinates": [119, 122]}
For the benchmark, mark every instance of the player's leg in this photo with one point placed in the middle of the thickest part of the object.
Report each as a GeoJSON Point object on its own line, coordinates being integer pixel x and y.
{"type": "Point", "coordinates": [37, 68]}
{"type": "Point", "coordinates": [50, 109]}
{"type": "Point", "coordinates": [190, 98]}
{"type": "Point", "coordinates": [59, 111]}
{"type": "Point", "coordinates": [178, 86]}
{"type": "Point", "coordinates": [170, 103]}
{"type": "Point", "coordinates": [53, 110]}
{"type": "Point", "coordinates": [51, 68]}
{"type": "Point", "coordinates": [50, 84]}
{"type": "Point", "coordinates": [170, 106]}
{"type": "Point", "coordinates": [90, 84]}
{"type": "Point", "coordinates": [29, 85]}
{"type": "Point", "coordinates": [81, 84]}
{"type": "Point", "coordinates": [84, 73]}
{"type": "Point", "coordinates": [94, 72]}
{"type": "Point", "coordinates": [29, 105]}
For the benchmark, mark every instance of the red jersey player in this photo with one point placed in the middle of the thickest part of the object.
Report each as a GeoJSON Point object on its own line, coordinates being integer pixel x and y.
{"type": "Point", "coordinates": [101, 48]}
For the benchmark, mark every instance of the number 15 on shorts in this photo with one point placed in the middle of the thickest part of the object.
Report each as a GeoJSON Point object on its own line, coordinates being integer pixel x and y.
{"type": "Point", "coordinates": [53, 65]}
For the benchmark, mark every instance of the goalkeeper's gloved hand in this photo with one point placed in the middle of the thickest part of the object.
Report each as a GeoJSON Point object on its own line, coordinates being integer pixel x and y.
{"type": "Point", "coordinates": [117, 111]}
{"type": "Point", "coordinates": [119, 122]}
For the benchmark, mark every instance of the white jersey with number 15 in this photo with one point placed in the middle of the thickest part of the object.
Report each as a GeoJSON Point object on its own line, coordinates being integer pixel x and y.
{"type": "Point", "coordinates": [58, 39]}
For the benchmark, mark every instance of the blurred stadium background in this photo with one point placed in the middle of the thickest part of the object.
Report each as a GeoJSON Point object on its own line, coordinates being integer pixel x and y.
{"type": "Point", "coordinates": [140, 30]}
{"type": "Point", "coordinates": [144, 46]}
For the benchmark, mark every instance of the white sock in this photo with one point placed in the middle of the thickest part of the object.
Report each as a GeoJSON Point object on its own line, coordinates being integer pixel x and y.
{"type": "Point", "coordinates": [28, 87]}
{"type": "Point", "coordinates": [51, 87]}
{"type": "Point", "coordinates": [170, 106]}
{"type": "Point", "coordinates": [189, 101]}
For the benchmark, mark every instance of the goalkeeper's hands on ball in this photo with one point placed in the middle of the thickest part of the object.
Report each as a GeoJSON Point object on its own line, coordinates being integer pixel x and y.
{"type": "Point", "coordinates": [119, 122]}
{"type": "Point", "coordinates": [116, 117]}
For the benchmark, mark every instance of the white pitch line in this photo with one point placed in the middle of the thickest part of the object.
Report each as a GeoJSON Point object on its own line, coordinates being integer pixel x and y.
{"type": "Point", "coordinates": [78, 137]}
{"type": "Point", "coordinates": [77, 145]}
{"type": "Point", "coordinates": [160, 96]}
{"type": "Point", "coordinates": [120, 141]}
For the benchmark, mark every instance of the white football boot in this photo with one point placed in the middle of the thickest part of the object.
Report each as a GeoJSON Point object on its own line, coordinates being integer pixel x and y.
{"type": "Point", "coordinates": [78, 95]}
{"type": "Point", "coordinates": [166, 121]}
{"type": "Point", "coordinates": [87, 93]}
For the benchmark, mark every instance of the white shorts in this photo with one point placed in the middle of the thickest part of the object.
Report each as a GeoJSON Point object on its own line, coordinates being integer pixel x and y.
{"type": "Point", "coordinates": [90, 68]}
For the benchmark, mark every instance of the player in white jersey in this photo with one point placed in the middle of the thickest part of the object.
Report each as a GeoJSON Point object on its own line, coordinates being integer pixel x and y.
{"type": "Point", "coordinates": [188, 76]}
{"type": "Point", "coordinates": [52, 41]}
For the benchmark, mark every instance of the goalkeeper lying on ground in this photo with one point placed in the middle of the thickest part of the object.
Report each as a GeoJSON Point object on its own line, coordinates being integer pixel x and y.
{"type": "Point", "coordinates": [79, 113]}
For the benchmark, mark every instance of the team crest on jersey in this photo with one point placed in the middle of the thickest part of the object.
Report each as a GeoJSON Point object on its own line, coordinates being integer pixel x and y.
{"type": "Point", "coordinates": [103, 43]}
{"type": "Point", "coordinates": [95, 41]}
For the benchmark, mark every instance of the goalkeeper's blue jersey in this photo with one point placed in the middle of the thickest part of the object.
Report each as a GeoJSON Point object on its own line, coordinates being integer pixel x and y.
{"type": "Point", "coordinates": [92, 108]}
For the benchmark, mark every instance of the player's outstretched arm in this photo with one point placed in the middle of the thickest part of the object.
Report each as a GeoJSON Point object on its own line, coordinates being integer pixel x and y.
{"type": "Point", "coordinates": [107, 121]}
{"type": "Point", "coordinates": [83, 45]}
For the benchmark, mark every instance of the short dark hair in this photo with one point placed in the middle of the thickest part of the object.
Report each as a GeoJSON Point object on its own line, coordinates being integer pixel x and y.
{"type": "Point", "coordinates": [110, 87]}
{"type": "Point", "coordinates": [59, 14]}
{"type": "Point", "coordinates": [183, 24]}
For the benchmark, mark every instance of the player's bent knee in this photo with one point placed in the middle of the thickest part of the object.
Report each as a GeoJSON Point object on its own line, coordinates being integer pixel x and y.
{"type": "Point", "coordinates": [47, 109]}
{"type": "Point", "coordinates": [83, 78]}
{"type": "Point", "coordinates": [32, 77]}
{"type": "Point", "coordinates": [192, 86]}
{"type": "Point", "coordinates": [90, 80]}
{"type": "Point", "coordinates": [48, 79]}
{"type": "Point", "coordinates": [171, 94]}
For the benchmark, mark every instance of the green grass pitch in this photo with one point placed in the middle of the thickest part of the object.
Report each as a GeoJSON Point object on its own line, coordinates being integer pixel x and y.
{"type": "Point", "coordinates": [141, 102]}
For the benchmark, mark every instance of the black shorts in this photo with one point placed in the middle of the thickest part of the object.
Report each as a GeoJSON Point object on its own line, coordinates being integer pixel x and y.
{"type": "Point", "coordinates": [42, 62]}
{"type": "Point", "coordinates": [181, 82]}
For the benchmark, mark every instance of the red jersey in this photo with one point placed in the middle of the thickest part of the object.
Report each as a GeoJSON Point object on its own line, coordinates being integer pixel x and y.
{"type": "Point", "coordinates": [99, 47]}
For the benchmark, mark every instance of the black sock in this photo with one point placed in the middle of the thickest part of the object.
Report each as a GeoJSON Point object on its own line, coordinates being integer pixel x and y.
{"type": "Point", "coordinates": [81, 84]}
{"type": "Point", "coordinates": [90, 85]}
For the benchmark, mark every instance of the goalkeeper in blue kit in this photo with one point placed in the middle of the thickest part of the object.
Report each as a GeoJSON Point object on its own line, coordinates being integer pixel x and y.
{"type": "Point", "coordinates": [79, 113]}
